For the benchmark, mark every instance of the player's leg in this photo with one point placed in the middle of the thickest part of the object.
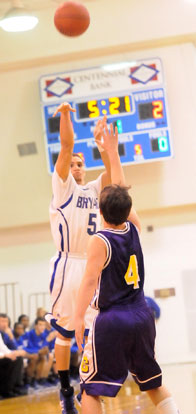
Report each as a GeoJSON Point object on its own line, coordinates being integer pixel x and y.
{"type": "Point", "coordinates": [64, 299]}
{"type": "Point", "coordinates": [89, 318]}
{"type": "Point", "coordinates": [91, 404]}
{"type": "Point", "coordinates": [144, 367]}
{"type": "Point", "coordinates": [163, 400]}
{"type": "Point", "coordinates": [62, 354]}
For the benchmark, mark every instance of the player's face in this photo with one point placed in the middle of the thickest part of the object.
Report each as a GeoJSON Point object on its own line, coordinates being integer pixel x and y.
{"type": "Point", "coordinates": [77, 170]}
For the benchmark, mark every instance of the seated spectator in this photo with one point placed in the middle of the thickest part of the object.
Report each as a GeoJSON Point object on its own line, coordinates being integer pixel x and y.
{"type": "Point", "coordinates": [40, 313]}
{"type": "Point", "coordinates": [11, 366]}
{"type": "Point", "coordinates": [24, 320]}
{"type": "Point", "coordinates": [38, 344]}
{"type": "Point", "coordinates": [7, 334]}
{"type": "Point", "coordinates": [31, 358]}
{"type": "Point", "coordinates": [50, 336]}
{"type": "Point", "coordinates": [18, 333]}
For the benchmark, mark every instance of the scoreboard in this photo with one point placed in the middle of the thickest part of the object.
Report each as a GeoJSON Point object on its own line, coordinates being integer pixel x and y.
{"type": "Point", "coordinates": [131, 94]}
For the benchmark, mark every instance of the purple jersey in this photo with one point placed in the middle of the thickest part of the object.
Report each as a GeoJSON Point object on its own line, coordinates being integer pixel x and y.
{"type": "Point", "coordinates": [123, 334]}
{"type": "Point", "coordinates": [122, 278]}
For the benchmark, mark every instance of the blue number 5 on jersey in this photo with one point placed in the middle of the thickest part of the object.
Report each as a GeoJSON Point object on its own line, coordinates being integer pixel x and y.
{"type": "Point", "coordinates": [92, 228]}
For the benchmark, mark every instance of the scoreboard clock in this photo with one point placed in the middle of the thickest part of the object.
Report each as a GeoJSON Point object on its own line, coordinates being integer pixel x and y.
{"type": "Point", "coordinates": [133, 97]}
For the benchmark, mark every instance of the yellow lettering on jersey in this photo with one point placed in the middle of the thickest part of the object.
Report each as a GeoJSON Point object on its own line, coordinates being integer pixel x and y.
{"type": "Point", "coordinates": [131, 275]}
{"type": "Point", "coordinates": [85, 365]}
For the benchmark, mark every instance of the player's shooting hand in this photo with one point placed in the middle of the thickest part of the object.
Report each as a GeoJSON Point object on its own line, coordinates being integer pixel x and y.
{"type": "Point", "coordinates": [79, 333]}
{"type": "Point", "coordinates": [64, 108]}
{"type": "Point", "coordinates": [110, 138]}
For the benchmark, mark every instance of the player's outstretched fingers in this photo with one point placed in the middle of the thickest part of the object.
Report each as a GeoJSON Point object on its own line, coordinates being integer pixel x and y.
{"type": "Point", "coordinates": [111, 130]}
{"type": "Point", "coordinates": [104, 120]}
{"type": "Point", "coordinates": [116, 132]}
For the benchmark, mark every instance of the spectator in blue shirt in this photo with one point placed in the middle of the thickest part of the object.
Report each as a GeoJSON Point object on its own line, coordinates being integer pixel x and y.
{"type": "Point", "coordinates": [37, 343]}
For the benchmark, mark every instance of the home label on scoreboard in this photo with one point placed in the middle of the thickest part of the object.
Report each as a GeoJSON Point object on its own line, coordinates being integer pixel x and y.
{"type": "Point", "coordinates": [131, 94]}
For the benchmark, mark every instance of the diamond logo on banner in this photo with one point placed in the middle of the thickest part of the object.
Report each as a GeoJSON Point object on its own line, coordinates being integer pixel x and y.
{"type": "Point", "coordinates": [59, 87]}
{"type": "Point", "coordinates": [143, 74]}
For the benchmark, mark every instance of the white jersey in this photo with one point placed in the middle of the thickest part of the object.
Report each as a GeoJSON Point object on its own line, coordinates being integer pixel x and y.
{"type": "Point", "coordinates": [74, 213]}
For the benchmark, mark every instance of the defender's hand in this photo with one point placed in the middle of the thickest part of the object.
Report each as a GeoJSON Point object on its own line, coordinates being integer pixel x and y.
{"type": "Point", "coordinates": [79, 333]}
{"type": "Point", "coordinates": [98, 129]}
{"type": "Point", "coordinates": [110, 139]}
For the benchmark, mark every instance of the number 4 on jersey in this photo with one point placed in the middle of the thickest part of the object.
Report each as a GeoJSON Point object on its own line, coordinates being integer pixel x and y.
{"type": "Point", "coordinates": [131, 275]}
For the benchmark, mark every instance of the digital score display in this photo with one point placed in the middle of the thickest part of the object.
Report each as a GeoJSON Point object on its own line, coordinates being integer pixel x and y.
{"type": "Point", "coordinates": [95, 108]}
{"type": "Point", "coordinates": [150, 110]}
{"type": "Point", "coordinates": [137, 107]}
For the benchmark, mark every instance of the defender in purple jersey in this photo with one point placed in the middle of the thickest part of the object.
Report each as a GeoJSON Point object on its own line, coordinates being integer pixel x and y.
{"type": "Point", "coordinates": [123, 334]}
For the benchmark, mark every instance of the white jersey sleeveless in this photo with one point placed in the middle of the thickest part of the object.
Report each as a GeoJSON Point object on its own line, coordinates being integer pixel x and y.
{"type": "Point", "coordinates": [74, 213]}
{"type": "Point", "coordinates": [74, 217]}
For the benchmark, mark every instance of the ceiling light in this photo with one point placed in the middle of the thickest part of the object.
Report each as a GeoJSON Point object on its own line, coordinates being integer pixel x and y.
{"type": "Point", "coordinates": [17, 19]}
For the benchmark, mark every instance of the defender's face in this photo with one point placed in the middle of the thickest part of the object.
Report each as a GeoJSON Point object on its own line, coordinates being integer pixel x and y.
{"type": "Point", "coordinates": [77, 170]}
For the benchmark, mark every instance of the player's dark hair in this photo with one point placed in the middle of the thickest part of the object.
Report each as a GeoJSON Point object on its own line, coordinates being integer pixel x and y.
{"type": "Point", "coordinates": [37, 320]}
{"type": "Point", "coordinates": [115, 204]}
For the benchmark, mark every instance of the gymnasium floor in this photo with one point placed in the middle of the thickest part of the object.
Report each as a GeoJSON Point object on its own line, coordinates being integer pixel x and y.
{"type": "Point", "coordinates": [180, 379]}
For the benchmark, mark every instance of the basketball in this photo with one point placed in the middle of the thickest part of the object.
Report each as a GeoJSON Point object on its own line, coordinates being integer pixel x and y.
{"type": "Point", "coordinates": [71, 19]}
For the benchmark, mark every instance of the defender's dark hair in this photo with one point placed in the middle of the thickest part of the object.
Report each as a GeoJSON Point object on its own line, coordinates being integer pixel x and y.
{"type": "Point", "coordinates": [115, 204]}
{"type": "Point", "coordinates": [37, 320]}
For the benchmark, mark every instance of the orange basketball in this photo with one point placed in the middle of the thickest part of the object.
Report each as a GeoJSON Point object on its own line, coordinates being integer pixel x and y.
{"type": "Point", "coordinates": [71, 18]}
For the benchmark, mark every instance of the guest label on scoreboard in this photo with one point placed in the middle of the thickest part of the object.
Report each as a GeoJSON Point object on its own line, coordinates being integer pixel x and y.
{"type": "Point", "coordinates": [132, 97]}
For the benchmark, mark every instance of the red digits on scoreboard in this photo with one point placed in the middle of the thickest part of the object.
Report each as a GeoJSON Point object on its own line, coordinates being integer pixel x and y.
{"type": "Point", "coordinates": [157, 109]}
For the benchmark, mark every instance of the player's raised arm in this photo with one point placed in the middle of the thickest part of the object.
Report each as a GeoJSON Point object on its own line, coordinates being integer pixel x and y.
{"type": "Point", "coordinates": [96, 254]}
{"type": "Point", "coordinates": [67, 140]}
{"type": "Point", "coordinates": [106, 176]}
{"type": "Point", "coordinates": [134, 218]}
{"type": "Point", "coordinates": [110, 145]}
